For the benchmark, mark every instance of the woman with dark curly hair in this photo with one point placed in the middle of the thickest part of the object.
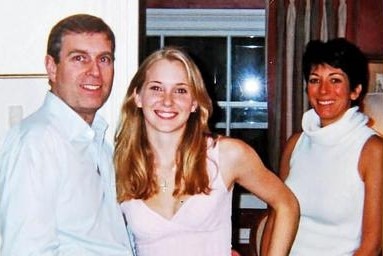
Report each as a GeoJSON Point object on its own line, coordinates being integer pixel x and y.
{"type": "Point", "coordinates": [335, 166]}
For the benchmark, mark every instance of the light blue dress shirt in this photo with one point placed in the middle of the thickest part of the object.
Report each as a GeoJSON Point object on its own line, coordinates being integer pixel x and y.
{"type": "Point", "coordinates": [57, 187]}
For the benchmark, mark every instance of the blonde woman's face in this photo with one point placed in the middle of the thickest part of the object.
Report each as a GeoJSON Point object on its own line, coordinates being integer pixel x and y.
{"type": "Point", "coordinates": [166, 97]}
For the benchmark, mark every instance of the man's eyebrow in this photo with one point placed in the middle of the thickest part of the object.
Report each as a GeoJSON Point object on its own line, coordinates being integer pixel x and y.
{"type": "Point", "coordinates": [107, 53]}
{"type": "Point", "coordinates": [76, 51]}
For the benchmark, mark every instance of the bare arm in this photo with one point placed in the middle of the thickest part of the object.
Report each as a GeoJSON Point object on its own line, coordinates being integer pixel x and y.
{"type": "Point", "coordinates": [241, 164]}
{"type": "Point", "coordinates": [371, 171]}
{"type": "Point", "coordinates": [283, 173]}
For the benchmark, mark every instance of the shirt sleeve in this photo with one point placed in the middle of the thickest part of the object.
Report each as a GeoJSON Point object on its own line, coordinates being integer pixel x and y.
{"type": "Point", "coordinates": [28, 184]}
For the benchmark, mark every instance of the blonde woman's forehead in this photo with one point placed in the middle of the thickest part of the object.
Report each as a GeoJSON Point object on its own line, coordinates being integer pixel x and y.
{"type": "Point", "coordinates": [165, 69]}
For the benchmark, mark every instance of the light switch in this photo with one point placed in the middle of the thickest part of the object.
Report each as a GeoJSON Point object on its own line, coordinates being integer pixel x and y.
{"type": "Point", "coordinates": [15, 114]}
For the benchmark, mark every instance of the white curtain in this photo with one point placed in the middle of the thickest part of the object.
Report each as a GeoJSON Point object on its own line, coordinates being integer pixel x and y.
{"type": "Point", "coordinates": [342, 18]}
{"type": "Point", "coordinates": [290, 47]}
{"type": "Point", "coordinates": [324, 30]}
{"type": "Point", "coordinates": [307, 32]}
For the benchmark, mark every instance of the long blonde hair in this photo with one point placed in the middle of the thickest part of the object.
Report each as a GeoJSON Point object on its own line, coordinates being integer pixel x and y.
{"type": "Point", "coordinates": [134, 159]}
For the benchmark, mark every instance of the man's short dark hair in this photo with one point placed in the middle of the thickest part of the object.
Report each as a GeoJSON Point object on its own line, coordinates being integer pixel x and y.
{"type": "Point", "coordinates": [79, 23]}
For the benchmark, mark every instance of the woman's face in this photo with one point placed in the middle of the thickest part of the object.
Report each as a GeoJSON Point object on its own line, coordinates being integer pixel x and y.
{"type": "Point", "coordinates": [166, 98]}
{"type": "Point", "coordinates": [329, 93]}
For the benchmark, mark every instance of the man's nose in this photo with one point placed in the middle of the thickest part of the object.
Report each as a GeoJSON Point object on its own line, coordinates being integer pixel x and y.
{"type": "Point", "coordinates": [94, 68]}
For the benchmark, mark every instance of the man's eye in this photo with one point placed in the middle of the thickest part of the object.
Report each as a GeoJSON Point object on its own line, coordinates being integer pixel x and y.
{"type": "Point", "coordinates": [79, 58]}
{"type": "Point", "coordinates": [106, 59]}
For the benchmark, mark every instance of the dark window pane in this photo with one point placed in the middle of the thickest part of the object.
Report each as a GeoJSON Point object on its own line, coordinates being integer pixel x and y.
{"type": "Point", "coordinates": [249, 115]}
{"type": "Point", "coordinates": [209, 53]}
{"type": "Point", "coordinates": [219, 114]}
{"type": "Point", "coordinates": [153, 43]}
{"type": "Point", "coordinates": [248, 69]}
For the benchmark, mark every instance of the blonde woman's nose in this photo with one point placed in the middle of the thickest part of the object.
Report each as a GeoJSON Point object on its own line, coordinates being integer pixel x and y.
{"type": "Point", "coordinates": [168, 99]}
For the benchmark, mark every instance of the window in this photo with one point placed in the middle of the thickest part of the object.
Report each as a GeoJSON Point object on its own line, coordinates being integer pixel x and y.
{"type": "Point", "coordinates": [229, 47]}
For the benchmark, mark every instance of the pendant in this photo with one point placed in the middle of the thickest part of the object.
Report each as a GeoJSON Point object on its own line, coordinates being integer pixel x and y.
{"type": "Point", "coordinates": [164, 186]}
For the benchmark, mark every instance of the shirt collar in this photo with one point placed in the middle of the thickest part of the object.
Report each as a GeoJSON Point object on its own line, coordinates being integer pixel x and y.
{"type": "Point", "coordinates": [71, 124]}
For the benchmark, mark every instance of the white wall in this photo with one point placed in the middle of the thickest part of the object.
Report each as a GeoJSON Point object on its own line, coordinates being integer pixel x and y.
{"type": "Point", "coordinates": [19, 98]}
{"type": "Point", "coordinates": [25, 26]}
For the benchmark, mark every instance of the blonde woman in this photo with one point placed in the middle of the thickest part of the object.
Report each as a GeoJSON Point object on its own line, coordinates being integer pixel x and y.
{"type": "Point", "coordinates": [174, 178]}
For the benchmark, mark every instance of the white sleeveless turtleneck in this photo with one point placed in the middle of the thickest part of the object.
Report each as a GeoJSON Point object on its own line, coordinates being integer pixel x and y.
{"type": "Point", "coordinates": [325, 178]}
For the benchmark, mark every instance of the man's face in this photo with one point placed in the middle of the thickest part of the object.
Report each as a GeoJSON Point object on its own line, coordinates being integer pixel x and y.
{"type": "Point", "coordinates": [83, 78]}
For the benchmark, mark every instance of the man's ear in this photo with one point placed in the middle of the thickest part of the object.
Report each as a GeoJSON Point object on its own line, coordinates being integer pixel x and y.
{"type": "Point", "coordinates": [51, 68]}
{"type": "Point", "coordinates": [137, 99]}
{"type": "Point", "coordinates": [356, 92]}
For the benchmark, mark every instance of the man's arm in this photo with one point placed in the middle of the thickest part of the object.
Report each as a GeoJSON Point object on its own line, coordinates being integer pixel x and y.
{"type": "Point", "coordinates": [28, 186]}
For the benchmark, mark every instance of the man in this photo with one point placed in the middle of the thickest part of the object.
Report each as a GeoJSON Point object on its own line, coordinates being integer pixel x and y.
{"type": "Point", "coordinates": [57, 182]}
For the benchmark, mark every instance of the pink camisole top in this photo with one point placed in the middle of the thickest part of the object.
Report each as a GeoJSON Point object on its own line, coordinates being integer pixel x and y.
{"type": "Point", "coordinates": [202, 226]}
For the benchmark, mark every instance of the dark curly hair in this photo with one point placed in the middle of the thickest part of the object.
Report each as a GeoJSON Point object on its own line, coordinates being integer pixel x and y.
{"type": "Point", "coordinates": [339, 53]}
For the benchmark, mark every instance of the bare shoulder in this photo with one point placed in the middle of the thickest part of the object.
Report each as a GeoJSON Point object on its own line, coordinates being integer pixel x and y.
{"type": "Point", "coordinates": [236, 154]}
{"type": "Point", "coordinates": [373, 146]}
{"type": "Point", "coordinates": [375, 139]}
{"type": "Point", "coordinates": [290, 145]}
{"type": "Point", "coordinates": [371, 157]}
{"type": "Point", "coordinates": [233, 149]}
{"type": "Point", "coordinates": [238, 160]}
{"type": "Point", "coordinates": [286, 155]}
{"type": "Point", "coordinates": [293, 140]}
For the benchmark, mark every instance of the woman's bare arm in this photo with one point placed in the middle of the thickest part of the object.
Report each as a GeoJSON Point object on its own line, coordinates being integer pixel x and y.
{"type": "Point", "coordinates": [283, 173]}
{"type": "Point", "coordinates": [371, 171]}
{"type": "Point", "coordinates": [240, 164]}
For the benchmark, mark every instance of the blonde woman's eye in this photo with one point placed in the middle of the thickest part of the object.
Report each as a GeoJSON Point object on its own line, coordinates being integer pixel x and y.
{"type": "Point", "coordinates": [181, 90]}
{"type": "Point", "coordinates": [155, 88]}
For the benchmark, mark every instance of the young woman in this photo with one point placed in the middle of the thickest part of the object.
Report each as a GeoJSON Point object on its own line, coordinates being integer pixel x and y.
{"type": "Point", "coordinates": [174, 178]}
{"type": "Point", "coordinates": [335, 166]}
